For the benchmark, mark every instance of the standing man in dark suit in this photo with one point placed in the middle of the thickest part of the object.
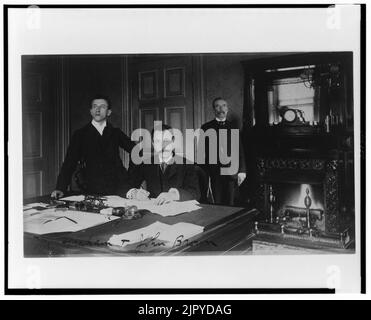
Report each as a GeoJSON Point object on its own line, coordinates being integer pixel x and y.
{"type": "Point", "coordinates": [224, 187]}
{"type": "Point", "coordinates": [167, 176]}
{"type": "Point", "coordinates": [96, 148]}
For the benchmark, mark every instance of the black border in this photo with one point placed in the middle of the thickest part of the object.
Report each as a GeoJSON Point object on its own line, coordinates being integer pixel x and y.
{"type": "Point", "coordinates": [131, 291]}
{"type": "Point", "coordinates": [161, 6]}
{"type": "Point", "coordinates": [363, 145]}
{"type": "Point", "coordinates": [168, 291]}
{"type": "Point", "coordinates": [6, 139]}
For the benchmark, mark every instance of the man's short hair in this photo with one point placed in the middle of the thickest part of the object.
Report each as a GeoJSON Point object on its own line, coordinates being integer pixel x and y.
{"type": "Point", "coordinates": [215, 100]}
{"type": "Point", "coordinates": [164, 127]}
{"type": "Point", "coordinates": [100, 96]}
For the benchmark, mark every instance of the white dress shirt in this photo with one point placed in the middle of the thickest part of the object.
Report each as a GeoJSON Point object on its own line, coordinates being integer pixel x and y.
{"type": "Point", "coordinates": [164, 160]}
{"type": "Point", "coordinates": [221, 120]}
{"type": "Point", "coordinates": [99, 125]}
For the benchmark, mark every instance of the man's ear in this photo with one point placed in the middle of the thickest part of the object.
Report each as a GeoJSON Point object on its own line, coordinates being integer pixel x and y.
{"type": "Point", "coordinates": [109, 111]}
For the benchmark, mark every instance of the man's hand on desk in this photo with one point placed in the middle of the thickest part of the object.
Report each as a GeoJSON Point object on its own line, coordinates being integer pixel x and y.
{"type": "Point", "coordinates": [137, 194]}
{"type": "Point", "coordinates": [56, 194]}
{"type": "Point", "coordinates": [166, 197]}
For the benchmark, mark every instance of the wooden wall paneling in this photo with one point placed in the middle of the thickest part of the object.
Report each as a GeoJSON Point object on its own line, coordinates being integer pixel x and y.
{"type": "Point", "coordinates": [146, 118]}
{"type": "Point", "coordinates": [174, 82]}
{"type": "Point", "coordinates": [32, 135]}
{"type": "Point", "coordinates": [172, 68]}
{"type": "Point", "coordinates": [249, 102]}
{"type": "Point", "coordinates": [91, 75]}
{"type": "Point", "coordinates": [176, 118]}
{"type": "Point", "coordinates": [148, 85]}
{"type": "Point", "coordinates": [180, 96]}
{"type": "Point", "coordinates": [33, 184]}
{"type": "Point", "coordinates": [39, 122]}
{"type": "Point", "coordinates": [33, 91]}
{"type": "Point", "coordinates": [199, 94]}
{"type": "Point", "coordinates": [125, 106]}
{"type": "Point", "coordinates": [62, 111]}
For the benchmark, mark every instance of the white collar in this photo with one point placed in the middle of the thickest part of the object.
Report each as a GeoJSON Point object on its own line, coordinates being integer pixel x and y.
{"type": "Point", "coordinates": [221, 120]}
{"type": "Point", "coordinates": [99, 125]}
{"type": "Point", "coordinates": [162, 160]}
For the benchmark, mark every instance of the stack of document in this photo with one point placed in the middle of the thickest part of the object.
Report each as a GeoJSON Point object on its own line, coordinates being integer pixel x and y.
{"type": "Point", "coordinates": [74, 198]}
{"type": "Point", "coordinates": [168, 209]}
{"type": "Point", "coordinates": [157, 235]}
{"type": "Point", "coordinates": [174, 208]}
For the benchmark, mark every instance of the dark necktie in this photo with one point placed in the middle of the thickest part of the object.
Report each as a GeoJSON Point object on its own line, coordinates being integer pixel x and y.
{"type": "Point", "coordinates": [163, 166]}
{"type": "Point", "coordinates": [221, 123]}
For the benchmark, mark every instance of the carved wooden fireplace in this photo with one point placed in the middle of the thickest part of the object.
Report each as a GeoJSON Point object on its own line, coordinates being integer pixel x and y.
{"type": "Point", "coordinates": [288, 180]}
{"type": "Point", "coordinates": [298, 119]}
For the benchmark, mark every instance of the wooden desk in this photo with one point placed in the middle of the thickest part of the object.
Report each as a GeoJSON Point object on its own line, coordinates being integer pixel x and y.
{"type": "Point", "coordinates": [227, 230]}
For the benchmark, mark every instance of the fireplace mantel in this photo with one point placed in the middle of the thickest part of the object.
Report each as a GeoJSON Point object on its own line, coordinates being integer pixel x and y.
{"type": "Point", "coordinates": [317, 153]}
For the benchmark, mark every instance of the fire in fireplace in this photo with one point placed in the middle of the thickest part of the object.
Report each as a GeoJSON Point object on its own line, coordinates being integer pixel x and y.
{"type": "Point", "coordinates": [290, 204]}
{"type": "Point", "coordinates": [300, 198]}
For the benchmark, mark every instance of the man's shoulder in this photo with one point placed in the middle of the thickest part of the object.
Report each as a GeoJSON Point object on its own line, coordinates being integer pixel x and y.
{"type": "Point", "coordinates": [231, 124]}
{"type": "Point", "coordinates": [183, 162]}
{"type": "Point", "coordinates": [111, 126]}
{"type": "Point", "coordinates": [144, 162]}
{"type": "Point", "coordinates": [116, 130]}
{"type": "Point", "coordinates": [209, 124]}
{"type": "Point", "coordinates": [86, 128]}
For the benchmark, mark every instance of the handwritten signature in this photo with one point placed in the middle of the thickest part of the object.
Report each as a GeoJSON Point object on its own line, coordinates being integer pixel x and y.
{"type": "Point", "coordinates": [180, 241]}
{"type": "Point", "coordinates": [155, 242]}
{"type": "Point", "coordinates": [145, 243]}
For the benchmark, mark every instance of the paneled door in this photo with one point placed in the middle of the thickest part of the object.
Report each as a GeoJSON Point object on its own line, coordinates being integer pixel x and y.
{"type": "Point", "coordinates": [38, 126]}
{"type": "Point", "coordinates": [161, 89]}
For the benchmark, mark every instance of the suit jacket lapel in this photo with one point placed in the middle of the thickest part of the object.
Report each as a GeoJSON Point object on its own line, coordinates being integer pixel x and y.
{"type": "Point", "coordinates": [96, 138]}
{"type": "Point", "coordinates": [171, 170]}
{"type": "Point", "coordinates": [107, 132]}
{"type": "Point", "coordinates": [106, 137]}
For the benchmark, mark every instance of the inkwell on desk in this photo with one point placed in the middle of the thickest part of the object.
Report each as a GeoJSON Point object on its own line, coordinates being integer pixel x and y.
{"type": "Point", "coordinates": [97, 204]}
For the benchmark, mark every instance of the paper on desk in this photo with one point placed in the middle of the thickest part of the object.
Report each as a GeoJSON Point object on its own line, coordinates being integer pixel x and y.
{"type": "Point", "coordinates": [31, 212]}
{"type": "Point", "coordinates": [176, 207]}
{"type": "Point", "coordinates": [50, 221]}
{"type": "Point", "coordinates": [169, 209]}
{"type": "Point", "coordinates": [157, 234]}
{"type": "Point", "coordinates": [36, 204]}
{"type": "Point", "coordinates": [116, 201]}
{"type": "Point", "coordinates": [165, 210]}
{"type": "Point", "coordinates": [74, 198]}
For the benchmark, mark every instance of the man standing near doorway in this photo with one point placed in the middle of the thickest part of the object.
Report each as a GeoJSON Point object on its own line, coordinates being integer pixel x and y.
{"type": "Point", "coordinates": [96, 148]}
{"type": "Point", "coordinates": [224, 187]}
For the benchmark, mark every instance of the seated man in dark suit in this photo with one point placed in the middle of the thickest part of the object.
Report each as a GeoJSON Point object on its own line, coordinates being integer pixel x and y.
{"type": "Point", "coordinates": [97, 147]}
{"type": "Point", "coordinates": [167, 177]}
